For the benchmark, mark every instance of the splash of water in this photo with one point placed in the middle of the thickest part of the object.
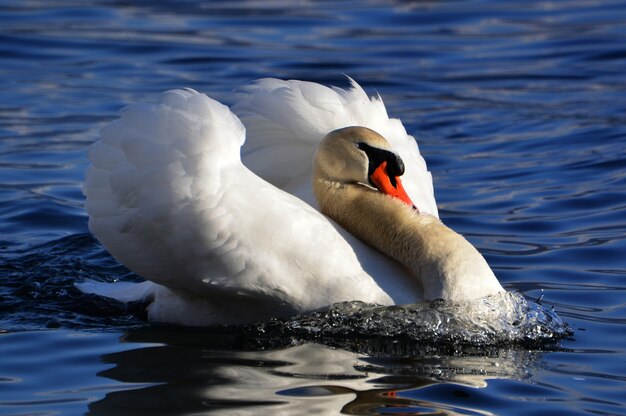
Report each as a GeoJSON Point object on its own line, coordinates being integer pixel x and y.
{"type": "Point", "coordinates": [508, 318]}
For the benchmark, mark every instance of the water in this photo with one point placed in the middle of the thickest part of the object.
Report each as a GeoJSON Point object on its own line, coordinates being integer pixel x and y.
{"type": "Point", "coordinates": [519, 110]}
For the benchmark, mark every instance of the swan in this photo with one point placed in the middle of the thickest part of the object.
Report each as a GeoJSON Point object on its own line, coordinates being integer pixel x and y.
{"type": "Point", "coordinates": [328, 200]}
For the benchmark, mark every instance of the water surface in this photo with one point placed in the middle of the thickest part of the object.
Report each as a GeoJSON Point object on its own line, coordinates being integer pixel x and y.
{"type": "Point", "coordinates": [518, 108]}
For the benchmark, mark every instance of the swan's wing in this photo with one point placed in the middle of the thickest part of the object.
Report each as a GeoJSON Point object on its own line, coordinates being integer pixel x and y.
{"type": "Point", "coordinates": [143, 175]}
{"type": "Point", "coordinates": [286, 120]}
{"type": "Point", "coordinates": [167, 195]}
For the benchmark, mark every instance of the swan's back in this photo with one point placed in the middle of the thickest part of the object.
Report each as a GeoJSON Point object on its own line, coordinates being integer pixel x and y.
{"type": "Point", "coordinates": [286, 121]}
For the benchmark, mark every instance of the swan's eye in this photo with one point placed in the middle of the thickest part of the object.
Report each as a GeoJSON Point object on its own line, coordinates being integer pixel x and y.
{"type": "Point", "coordinates": [376, 156]}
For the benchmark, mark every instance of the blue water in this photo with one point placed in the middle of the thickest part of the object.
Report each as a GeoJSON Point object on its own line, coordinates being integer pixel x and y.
{"type": "Point", "coordinates": [519, 108]}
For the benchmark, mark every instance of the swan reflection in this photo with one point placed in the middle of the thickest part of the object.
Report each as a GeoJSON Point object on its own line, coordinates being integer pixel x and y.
{"type": "Point", "coordinates": [175, 371]}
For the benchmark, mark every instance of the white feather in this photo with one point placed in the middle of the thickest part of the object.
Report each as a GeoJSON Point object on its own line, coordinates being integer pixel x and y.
{"type": "Point", "coordinates": [169, 197]}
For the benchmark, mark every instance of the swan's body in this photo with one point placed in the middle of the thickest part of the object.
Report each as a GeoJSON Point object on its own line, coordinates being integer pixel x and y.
{"type": "Point", "coordinates": [169, 197]}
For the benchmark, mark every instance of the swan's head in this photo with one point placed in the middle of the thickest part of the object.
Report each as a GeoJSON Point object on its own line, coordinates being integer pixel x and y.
{"type": "Point", "coordinates": [358, 155]}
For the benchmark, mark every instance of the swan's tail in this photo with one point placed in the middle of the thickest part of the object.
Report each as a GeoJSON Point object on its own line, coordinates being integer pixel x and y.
{"type": "Point", "coordinates": [161, 304]}
{"type": "Point", "coordinates": [286, 120]}
{"type": "Point", "coordinates": [124, 292]}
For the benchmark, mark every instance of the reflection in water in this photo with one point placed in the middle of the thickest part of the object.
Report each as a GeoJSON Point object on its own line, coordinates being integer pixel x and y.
{"type": "Point", "coordinates": [183, 371]}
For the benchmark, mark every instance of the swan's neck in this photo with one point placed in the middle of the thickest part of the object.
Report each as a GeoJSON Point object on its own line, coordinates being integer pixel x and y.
{"type": "Point", "coordinates": [445, 263]}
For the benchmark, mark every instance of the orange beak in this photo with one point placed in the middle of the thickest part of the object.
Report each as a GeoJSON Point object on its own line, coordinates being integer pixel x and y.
{"type": "Point", "coordinates": [383, 182]}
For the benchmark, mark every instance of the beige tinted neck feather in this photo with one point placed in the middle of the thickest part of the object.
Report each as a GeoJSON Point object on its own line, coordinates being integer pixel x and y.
{"type": "Point", "coordinates": [446, 264]}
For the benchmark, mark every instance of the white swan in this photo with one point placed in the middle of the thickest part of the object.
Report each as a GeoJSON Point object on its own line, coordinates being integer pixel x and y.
{"type": "Point", "coordinates": [168, 195]}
